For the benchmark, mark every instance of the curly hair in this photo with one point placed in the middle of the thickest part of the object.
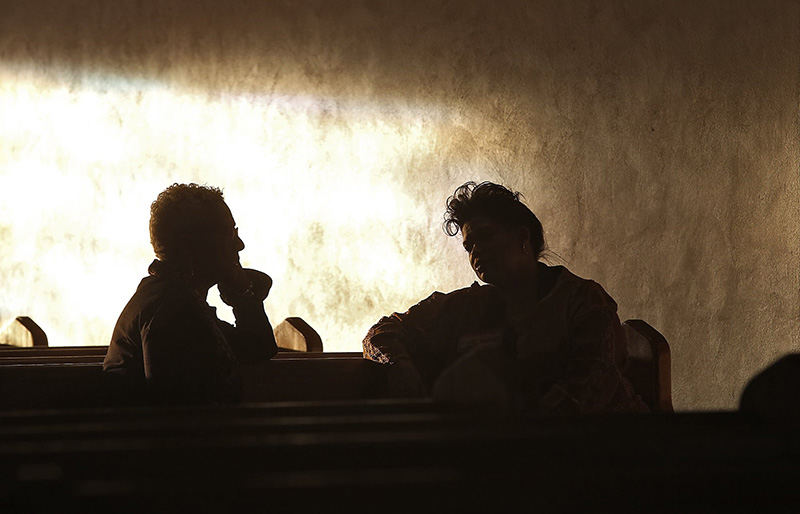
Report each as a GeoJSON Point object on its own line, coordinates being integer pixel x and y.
{"type": "Point", "coordinates": [495, 202]}
{"type": "Point", "coordinates": [181, 216]}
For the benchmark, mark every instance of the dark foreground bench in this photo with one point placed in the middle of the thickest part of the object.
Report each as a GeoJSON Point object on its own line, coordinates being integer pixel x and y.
{"type": "Point", "coordinates": [384, 456]}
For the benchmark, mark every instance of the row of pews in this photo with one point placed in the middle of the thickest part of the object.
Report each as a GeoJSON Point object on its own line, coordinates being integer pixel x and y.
{"type": "Point", "coordinates": [318, 433]}
{"type": "Point", "coordinates": [36, 378]}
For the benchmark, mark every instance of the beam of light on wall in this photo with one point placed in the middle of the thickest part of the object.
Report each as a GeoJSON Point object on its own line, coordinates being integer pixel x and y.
{"type": "Point", "coordinates": [314, 184]}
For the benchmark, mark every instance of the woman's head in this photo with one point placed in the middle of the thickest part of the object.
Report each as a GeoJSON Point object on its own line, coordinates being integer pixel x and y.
{"type": "Point", "coordinates": [191, 227]}
{"type": "Point", "coordinates": [500, 233]}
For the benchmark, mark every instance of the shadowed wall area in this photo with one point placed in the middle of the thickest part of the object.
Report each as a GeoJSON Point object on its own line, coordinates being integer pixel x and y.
{"type": "Point", "coordinates": [657, 143]}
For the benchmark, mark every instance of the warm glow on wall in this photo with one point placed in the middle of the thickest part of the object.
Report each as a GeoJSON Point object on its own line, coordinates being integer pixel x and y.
{"type": "Point", "coordinates": [314, 184]}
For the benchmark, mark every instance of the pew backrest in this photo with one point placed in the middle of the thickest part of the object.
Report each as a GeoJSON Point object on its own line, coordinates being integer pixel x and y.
{"type": "Point", "coordinates": [648, 365]}
{"type": "Point", "coordinates": [286, 377]}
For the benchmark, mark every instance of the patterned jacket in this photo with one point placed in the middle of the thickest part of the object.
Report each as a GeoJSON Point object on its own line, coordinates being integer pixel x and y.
{"type": "Point", "coordinates": [563, 356]}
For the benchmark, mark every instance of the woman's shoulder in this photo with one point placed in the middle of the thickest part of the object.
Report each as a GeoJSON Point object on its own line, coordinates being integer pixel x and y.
{"type": "Point", "coordinates": [476, 292]}
{"type": "Point", "coordinates": [457, 300]}
{"type": "Point", "coordinates": [564, 283]}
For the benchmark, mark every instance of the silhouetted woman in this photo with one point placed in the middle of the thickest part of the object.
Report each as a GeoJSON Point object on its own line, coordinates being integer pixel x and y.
{"type": "Point", "coordinates": [168, 345]}
{"type": "Point", "coordinates": [536, 339]}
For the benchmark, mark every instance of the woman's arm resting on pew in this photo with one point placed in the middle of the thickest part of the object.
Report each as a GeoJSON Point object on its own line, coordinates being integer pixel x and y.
{"type": "Point", "coordinates": [407, 343]}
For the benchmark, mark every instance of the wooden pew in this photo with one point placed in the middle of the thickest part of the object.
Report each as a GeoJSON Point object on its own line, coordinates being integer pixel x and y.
{"type": "Point", "coordinates": [36, 378]}
{"type": "Point", "coordinates": [57, 382]}
{"type": "Point", "coordinates": [257, 458]}
{"type": "Point", "coordinates": [50, 417]}
{"type": "Point", "coordinates": [8, 353]}
{"type": "Point", "coordinates": [65, 353]}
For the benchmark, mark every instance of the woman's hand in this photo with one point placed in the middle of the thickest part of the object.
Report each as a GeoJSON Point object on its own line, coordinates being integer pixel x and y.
{"type": "Point", "coordinates": [244, 284]}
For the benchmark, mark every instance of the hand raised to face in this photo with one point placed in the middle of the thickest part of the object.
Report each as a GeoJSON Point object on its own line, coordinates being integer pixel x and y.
{"type": "Point", "coordinates": [244, 284]}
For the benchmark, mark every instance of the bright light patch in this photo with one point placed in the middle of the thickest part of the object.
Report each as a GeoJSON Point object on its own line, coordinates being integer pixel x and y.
{"type": "Point", "coordinates": [313, 183]}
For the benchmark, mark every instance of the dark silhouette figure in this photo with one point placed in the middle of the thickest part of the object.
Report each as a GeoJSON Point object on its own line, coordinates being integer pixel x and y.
{"type": "Point", "coordinates": [774, 393]}
{"type": "Point", "coordinates": [168, 345]}
{"type": "Point", "coordinates": [536, 339]}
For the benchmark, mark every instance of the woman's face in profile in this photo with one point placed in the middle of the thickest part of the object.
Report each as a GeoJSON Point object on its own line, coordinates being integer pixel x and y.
{"type": "Point", "coordinates": [495, 250]}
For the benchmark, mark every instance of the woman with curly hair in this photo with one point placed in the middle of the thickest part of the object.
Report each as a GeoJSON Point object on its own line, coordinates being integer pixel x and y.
{"type": "Point", "coordinates": [168, 345]}
{"type": "Point", "coordinates": [535, 339]}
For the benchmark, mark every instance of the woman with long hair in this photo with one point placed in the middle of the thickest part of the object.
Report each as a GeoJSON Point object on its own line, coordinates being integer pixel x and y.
{"type": "Point", "coordinates": [535, 338]}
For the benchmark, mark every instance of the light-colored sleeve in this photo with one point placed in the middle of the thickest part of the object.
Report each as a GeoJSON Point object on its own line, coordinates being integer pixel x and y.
{"type": "Point", "coordinates": [410, 343]}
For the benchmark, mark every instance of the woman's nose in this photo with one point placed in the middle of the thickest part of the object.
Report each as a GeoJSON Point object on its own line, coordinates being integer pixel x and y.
{"type": "Point", "coordinates": [239, 243]}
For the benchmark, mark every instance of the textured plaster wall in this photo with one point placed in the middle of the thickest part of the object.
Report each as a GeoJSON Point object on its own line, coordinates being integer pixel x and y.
{"type": "Point", "coordinates": [657, 142]}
